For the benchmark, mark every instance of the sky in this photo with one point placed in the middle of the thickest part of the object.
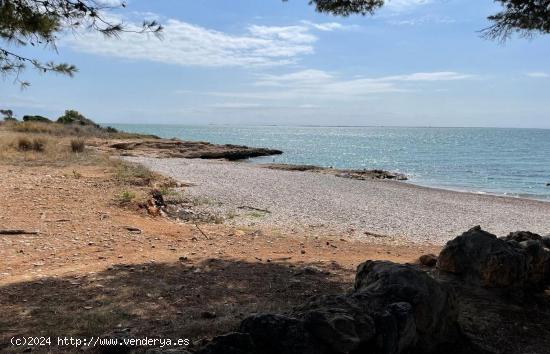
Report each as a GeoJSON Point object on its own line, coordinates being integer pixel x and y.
{"type": "Point", "coordinates": [414, 63]}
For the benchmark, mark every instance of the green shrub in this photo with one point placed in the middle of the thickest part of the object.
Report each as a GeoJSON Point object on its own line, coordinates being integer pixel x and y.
{"type": "Point", "coordinates": [135, 174]}
{"type": "Point", "coordinates": [125, 197]}
{"type": "Point", "coordinates": [75, 117]}
{"type": "Point", "coordinates": [36, 119]}
{"type": "Point", "coordinates": [8, 116]}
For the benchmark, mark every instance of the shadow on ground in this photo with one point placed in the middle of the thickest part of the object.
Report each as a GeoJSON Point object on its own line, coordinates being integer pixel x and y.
{"type": "Point", "coordinates": [176, 300]}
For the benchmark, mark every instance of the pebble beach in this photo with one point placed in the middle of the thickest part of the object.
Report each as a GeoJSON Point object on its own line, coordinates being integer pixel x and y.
{"type": "Point", "coordinates": [247, 194]}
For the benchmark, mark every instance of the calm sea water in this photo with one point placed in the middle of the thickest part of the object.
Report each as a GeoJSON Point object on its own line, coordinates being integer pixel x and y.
{"type": "Point", "coordinates": [514, 162]}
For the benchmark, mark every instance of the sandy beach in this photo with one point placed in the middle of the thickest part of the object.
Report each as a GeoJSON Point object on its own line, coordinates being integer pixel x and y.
{"type": "Point", "coordinates": [373, 210]}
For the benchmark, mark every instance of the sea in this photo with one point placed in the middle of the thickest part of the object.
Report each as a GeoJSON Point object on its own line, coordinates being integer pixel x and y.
{"type": "Point", "coordinates": [500, 161]}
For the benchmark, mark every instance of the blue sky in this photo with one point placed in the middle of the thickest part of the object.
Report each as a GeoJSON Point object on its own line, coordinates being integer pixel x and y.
{"type": "Point", "coordinates": [415, 63]}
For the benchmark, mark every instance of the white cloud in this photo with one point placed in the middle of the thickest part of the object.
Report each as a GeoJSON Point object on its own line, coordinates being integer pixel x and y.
{"type": "Point", "coordinates": [110, 3]}
{"type": "Point", "coordinates": [401, 5]}
{"type": "Point", "coordinates": [431, 76]}
{"type": "Point", "coordinates": [291, 34]}
{"type": "Point", "coordinates": [303, 78]}
{"type": "Point", "coordinates": [423, 20]}
{"type": "Point", "coordinates": [236, 105]}
{"type": "Point", "coordinates": [328, 26]}
{"type": "Point", "coordinates": [318, 85]}
{"type": "Point", "coordinates": [316, 77]}
{"type": "Point", "coordinates": [538, 74]}
{"type": "Point", "coordinates": [191, 45]}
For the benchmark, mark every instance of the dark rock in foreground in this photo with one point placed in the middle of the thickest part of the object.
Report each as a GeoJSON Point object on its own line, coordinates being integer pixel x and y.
{"type": "Point", "coordinates": [186, 149]}
{"type": "Point", "coordinates": [394, 308]}
{"type": "Point", "coordinates": [519, 260]}
{"type": "Point", "coordinates": [465, 306]}
{"type": "Point", "coordinates": [428, 260]}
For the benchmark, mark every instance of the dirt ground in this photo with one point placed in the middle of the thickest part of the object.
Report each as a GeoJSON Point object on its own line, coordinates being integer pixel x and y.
{"type": "Point", "coordinates": [86, 274]}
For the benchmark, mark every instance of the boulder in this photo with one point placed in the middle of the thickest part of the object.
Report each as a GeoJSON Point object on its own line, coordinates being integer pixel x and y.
{"type": "Point", "coordinates": [382, 284]}
{"type": "Point", "coordinates": [231, 343]}
{"type": "Point", "coordinates": [396, 330]}
{"type": "Point", "coordinates": [341, 323]}
{"type": "Point", "coordinates": [428, 260]}
{"type": "Point", "coordinates": [538, 264]}
{"type": "Point", "coordinates": [393, 309]}
{"type": "Point", "coordinates": [275, 334]}
{"type": "Point", "coordinates": [481, 258]}
{"type": "Point", "coordinates": [520, 236]}
{"type": "Point", "coordinates": [399, 308]}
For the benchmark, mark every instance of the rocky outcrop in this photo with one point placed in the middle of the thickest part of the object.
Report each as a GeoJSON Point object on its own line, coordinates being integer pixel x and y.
{"type": "Point", "coordinates": [428, 260]}
{"type": "Point", "coordinates": [352, 174]}
{"type": "Point", "coordinates": [184, 149]}
{"type": "Point", "coordinates": [519, 260]}
{"type": "Point", "coordinates": [393, 309]}
{"type": "Point", "coordinates": [478, 300]}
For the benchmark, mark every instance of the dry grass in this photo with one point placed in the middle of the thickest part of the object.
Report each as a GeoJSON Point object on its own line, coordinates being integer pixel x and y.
{"type": "Point", "coordinates": [78, 145]}
{"type": "Point", "coordinates": [33, 149]}
{"type": "Point", "coordinates": [34, 144]}
{"type": "Point", "coordinates": [72, 130]}
{"type": "Point", "coordinates": [132, 174]}
{"type": "Point", "coordinates": [41, 149]}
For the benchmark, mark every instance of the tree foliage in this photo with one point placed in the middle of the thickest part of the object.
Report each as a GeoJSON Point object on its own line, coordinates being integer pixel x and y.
{"type": "Point", "coordinates": [347, 7]}
{"type": "Point", "coordinates": [7, 114]}
{"type": "Point", "coordinates": [526, 17]}
{"type": "Point", "coordinates": [74, 117]}
{"type": "Point", "coordinates": [41, 22]}
{"type": "Point", "coordinates": [36, 118]}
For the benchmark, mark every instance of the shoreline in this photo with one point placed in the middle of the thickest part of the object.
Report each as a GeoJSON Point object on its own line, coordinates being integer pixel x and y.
{"type": "Point", "coordinates": [410, 182]}
{"type": "Point", "coordinates": [474, 193]}
{"type": "Point", "coordinates": [370, 210]}
{"type": "Point", "coordinates": [492, 194]}
{"type": "Point", "coordinates": [382, 175]}
{"type": "Point", "coordinates": [492, 173]}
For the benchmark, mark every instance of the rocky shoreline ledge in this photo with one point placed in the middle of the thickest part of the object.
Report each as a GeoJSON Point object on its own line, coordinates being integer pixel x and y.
{"type": "Point", "coordinates": [344, 173]}
{"type": "Point", "coordinates": [174, 148]}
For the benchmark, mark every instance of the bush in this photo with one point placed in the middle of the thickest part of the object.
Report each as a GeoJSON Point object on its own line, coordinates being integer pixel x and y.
{"type": "Point", "coordinates": [135, 174]}
{"type": "Point", "coordinates": [7, 114]}
{"type": "Point", "coordinates": [36, 119]}
{"type": "Point", "coordinates": [77, 145]}
{"type": "Point", "coordinates": [126, 197]}
{"type": "Point", "coordinates": [74, 117]}
{"type": "Point", "coordinates": [38, 144]}
{"type": "Point", "coordinates": [26, 144]}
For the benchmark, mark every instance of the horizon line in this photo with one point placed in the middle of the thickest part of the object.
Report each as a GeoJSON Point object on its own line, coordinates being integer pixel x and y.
{"type": "Point", "coordinates": [328, 126]}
